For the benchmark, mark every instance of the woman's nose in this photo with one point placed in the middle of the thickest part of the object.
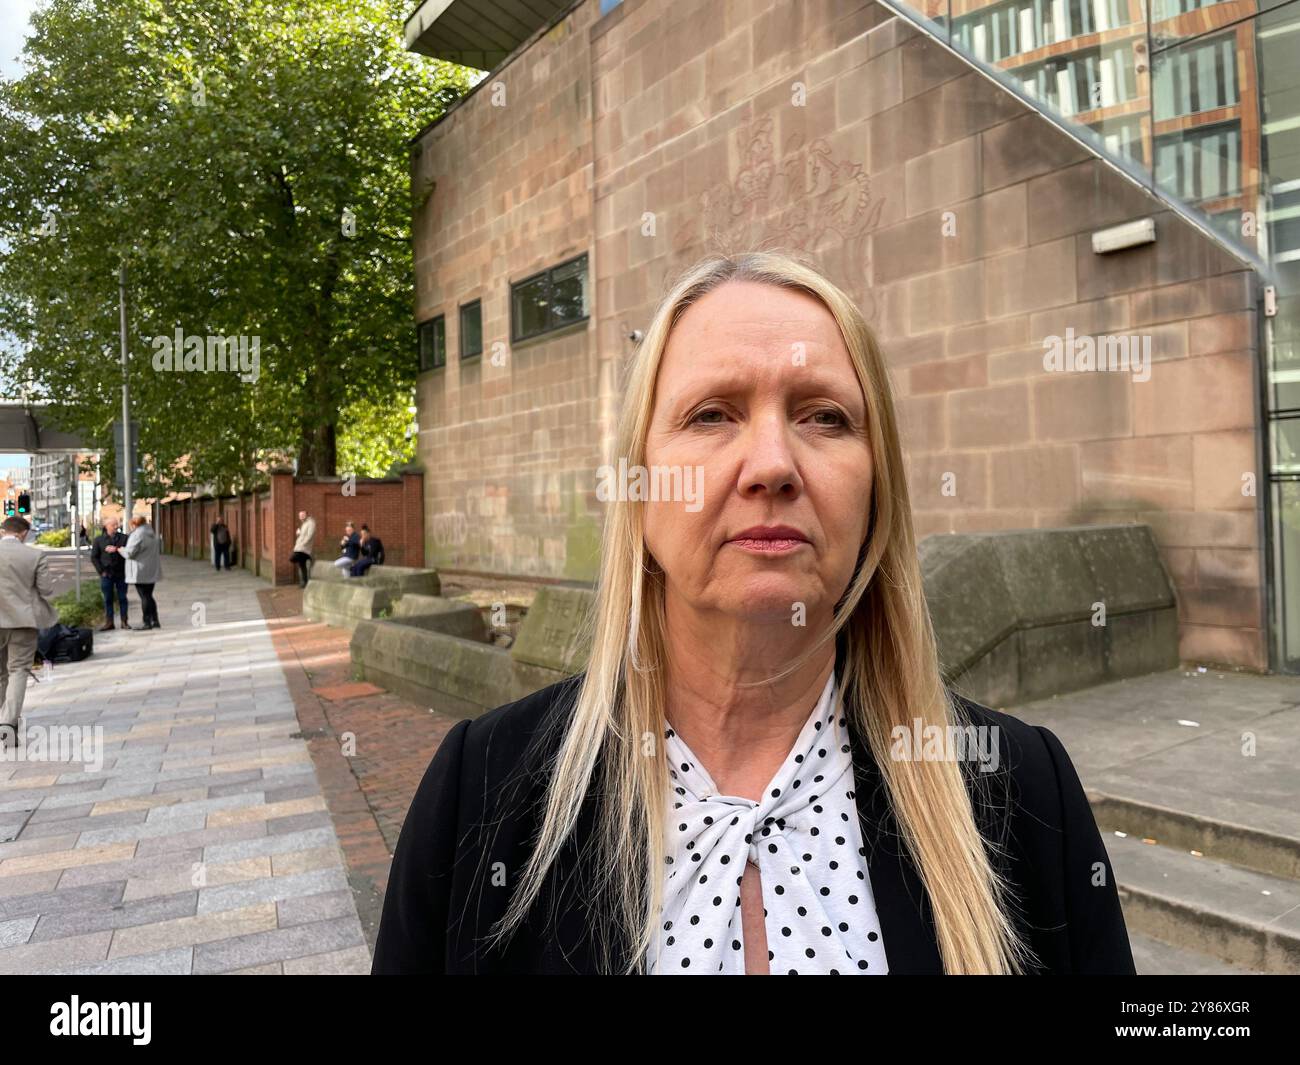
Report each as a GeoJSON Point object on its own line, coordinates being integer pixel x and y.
{"type": "Point", "coordinates": [769, 463]}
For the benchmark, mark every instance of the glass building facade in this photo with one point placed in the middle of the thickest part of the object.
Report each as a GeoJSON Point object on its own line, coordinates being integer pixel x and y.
{"type": "Point", "coordinates": [1200, 101]}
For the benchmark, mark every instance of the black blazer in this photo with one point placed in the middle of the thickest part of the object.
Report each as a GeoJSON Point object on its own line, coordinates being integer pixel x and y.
{"type": "Point", "coordinates": [446, 889]}
{"type": "Point", "coordinates": [109, 565]}
{"type": "Point", "coordinates": [373, 548]}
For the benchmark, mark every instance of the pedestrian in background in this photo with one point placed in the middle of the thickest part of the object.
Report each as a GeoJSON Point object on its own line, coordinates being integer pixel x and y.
{"type": "Point", "coordinates": [143, 554]}
{"type": "Point", "coordinates": [25, 609]}
{"type": "Point", "coordinates": [106, 557]}
{"type": "Point", "coordinates": [220, 533]}
{"type": "Point", "coordinates": [350, 545]}
{"type": "Point", "coordinates": [371, 553]}
{"type": "Point", "coordinates": [303, 545]}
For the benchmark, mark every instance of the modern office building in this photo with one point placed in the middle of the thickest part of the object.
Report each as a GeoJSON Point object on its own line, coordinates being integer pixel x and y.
{"type": "Point", "coordinates": [52, 477]}
{"type": "Point", "coordinates": [989, 181]}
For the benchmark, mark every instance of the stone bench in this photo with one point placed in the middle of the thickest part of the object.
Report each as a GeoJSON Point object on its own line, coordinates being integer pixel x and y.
{"type": "Point", "coordinates": [401, 580]}
{"type": "Point", "coordinates": [1031, 613]}
{"type": "Point", "coordinates": [448, 673]}
{"type": "Point", "coordinates": [449, 616]}
{"type": "Point", "coordinates": [436, 652]}
{"type": "Point", "coordinates": [343, 601]}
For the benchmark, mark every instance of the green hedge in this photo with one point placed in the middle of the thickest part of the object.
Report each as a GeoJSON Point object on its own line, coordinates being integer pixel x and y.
{"type": "Point", "coordinates": [85, 612]}
{"type": "Point", "coordinates": [56, 538]}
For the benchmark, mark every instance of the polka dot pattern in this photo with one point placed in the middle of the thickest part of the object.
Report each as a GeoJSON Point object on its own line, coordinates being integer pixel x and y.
{"type": "Point", "coordinates": [805, 839]}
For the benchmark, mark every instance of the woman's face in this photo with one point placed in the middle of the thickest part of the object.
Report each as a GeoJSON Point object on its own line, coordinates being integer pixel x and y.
{"type": "Point", "coordinates": [756, 392]}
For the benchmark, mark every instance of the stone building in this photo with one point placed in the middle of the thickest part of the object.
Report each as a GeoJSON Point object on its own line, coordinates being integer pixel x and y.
{"type": "Point", "coordinates": [977, 208]}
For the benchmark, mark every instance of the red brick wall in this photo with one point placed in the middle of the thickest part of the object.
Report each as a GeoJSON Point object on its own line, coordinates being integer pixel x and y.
{"type": "Point", "coordinates": [411, 544]}
{"type": "Point", "coordinates": [207, 515]}
{"type": "Point", "coordinates": [246, 537]}
{"type": "Point", "coordinates": [281, 522]}
{"type": "Point", "coordinates": [394, 510]}
{"type": "Point", "coordinates": [263, 524]}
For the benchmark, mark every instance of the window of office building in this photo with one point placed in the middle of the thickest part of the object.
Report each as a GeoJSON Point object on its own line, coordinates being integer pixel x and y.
{"type": "Point", "coordinates": [432, 336]}
{"type": "Point", "coordinates": [1164, 9]}
{"type": "Point", "coordinates": [995, 33]}
{"type": "Point", "coordinates": [1083, 81]}
{"type": "Point", "coordinates": [550, 300]}
{"type": "Point", "coordinates": [1198, 77]}
{"type": "Point", "coordinates": [1200, 164]}
{"type": "Point", "coordinates": [1091, 16]}
{"type": "Point", "coordinates": [471, 330]}
{"type": "Point", "coordinates": [1122, 136]}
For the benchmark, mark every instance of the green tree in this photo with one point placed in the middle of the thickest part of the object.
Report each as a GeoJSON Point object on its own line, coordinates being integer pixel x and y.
{"type": "Point", "coordinates": [249, 162]}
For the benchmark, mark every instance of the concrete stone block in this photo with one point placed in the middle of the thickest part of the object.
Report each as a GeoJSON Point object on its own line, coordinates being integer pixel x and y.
{"type": "Point", "coordinates": [456, 676]}
{"type": "Point", "coordinates": [344, 603]}
{"type": "Point", "coordinates": [1027, 613]}
{"type": "Point", "coordinates": [399, 580]}
{"type": "Point", "coordinates": [450, 616]}
{"type": "Point", "coordinates": [556, 632]}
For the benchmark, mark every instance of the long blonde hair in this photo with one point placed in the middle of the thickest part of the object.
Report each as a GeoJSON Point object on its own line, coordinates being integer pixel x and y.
{"type": "Point", "coordinates": [611, 743]}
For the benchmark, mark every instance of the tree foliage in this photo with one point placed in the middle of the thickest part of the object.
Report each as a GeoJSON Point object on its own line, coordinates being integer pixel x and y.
{"type": "Point", "coordinates": [249, 162]}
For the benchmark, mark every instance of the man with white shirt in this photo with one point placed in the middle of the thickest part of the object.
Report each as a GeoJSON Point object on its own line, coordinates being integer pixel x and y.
{"type": "Point", "coordinates": [303, 546]}
{"type": "Point", "coordinates": [25, 609]}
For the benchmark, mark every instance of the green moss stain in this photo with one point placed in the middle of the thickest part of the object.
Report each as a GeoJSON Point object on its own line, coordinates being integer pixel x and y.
{"type": "Point", "coordinates": [582, 548]}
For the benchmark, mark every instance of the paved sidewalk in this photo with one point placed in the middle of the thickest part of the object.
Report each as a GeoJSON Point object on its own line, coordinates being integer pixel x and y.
{"type": "Point", "coordinates": [1176, 738]}
{"type": "Point", "coordinates": [1199, 767]}
{"type": "Point", "coordinates": [203, 843]}
{"type": "Point", "coordinates": [370, 747]}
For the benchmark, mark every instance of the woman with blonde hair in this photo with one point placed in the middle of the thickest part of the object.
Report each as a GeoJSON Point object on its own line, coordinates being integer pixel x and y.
{"type": "Point", "coordinates": [723, 789]}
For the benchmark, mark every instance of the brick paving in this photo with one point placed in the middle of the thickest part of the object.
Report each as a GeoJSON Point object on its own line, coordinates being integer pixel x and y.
{"type": "Point", "coordinates": [368, 785]}
{"type": "Point", "coordinates": [213, 837]}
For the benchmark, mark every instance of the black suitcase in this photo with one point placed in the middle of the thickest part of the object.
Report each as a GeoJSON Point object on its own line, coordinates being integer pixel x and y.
{"type": "Point", "coordinates": [62, 643]}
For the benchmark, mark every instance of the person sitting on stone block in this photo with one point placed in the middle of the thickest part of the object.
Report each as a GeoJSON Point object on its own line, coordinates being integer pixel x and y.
{"type": "Point", "coordinates": [350, 545]}
{"type": "Point", "coordinates": [371, 553]}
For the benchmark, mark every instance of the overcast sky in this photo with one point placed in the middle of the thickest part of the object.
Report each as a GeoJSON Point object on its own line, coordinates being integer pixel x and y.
{"type": "Point", "coordinates": [14, 15]}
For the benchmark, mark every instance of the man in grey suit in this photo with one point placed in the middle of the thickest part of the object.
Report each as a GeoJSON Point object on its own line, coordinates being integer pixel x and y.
{"type": "Point", "coordinates": [25, 609]}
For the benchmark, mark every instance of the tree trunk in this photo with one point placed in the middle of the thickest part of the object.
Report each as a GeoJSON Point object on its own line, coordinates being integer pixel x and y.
{"type": "Point", "coordinates": [317, 451]}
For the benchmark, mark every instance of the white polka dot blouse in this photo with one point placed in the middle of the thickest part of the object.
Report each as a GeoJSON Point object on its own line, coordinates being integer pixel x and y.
{"type": "Point", "coordinates": [804, 837]}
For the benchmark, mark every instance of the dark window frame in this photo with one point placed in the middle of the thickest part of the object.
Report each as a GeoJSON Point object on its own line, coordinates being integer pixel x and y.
{"type": "Point", "coordinates": [547, 275]}
{"type": "Point", "coordinates": [466, 356]}
{"type": "Point", "coordinates": [430, 360]}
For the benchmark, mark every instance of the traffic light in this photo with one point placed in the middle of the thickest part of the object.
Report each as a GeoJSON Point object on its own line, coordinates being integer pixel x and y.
{"type": "Point", "coordinates": [9, 508]}
{"type": "Point", "coordinates": [24, 503]}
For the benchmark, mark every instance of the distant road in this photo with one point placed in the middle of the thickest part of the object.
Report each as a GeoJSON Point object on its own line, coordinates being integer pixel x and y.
{"type": "Point", "coordinates": [63, 568]}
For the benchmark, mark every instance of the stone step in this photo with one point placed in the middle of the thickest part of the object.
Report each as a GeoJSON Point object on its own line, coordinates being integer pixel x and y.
{"type": "Point", "coordinates": [1238, 916]}
{"type": "Point", "coordinates": [1154, 958]}
{"type": "Point", "coordinates": [1233, 831]}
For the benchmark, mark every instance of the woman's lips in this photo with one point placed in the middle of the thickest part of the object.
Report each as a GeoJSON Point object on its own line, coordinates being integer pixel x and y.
{"type": "Point", "coordinates": [768, 546]}
{"type": "Point", "coordinates": [772, 540]}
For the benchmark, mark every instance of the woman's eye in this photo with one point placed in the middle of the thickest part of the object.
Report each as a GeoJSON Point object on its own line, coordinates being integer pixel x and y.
{"type": "Point", "coordinates": [836, 418]}
{"type": "Point", "coordinates": [700, 416]}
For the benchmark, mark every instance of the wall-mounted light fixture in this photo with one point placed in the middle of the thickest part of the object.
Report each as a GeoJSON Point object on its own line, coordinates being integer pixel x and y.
{"type": "Point", "coordinates": [1128, 235]}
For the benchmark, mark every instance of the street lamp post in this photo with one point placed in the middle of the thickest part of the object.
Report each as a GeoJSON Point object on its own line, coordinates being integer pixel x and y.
{"type": "Point", "coordinates": [126, 402]}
